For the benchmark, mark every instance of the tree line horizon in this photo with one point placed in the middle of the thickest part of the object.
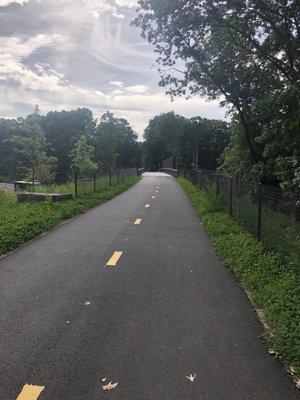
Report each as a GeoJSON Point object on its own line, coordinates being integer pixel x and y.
{"type": "Point", "coordinates": [69, 141]}
{"type": "Point", "coordinates": [74, 140]}
{"type": "Point", "coordinates": [245, 54]}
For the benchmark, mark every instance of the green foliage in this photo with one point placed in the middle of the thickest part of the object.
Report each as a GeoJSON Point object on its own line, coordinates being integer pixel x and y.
{"type": "Point", "coordinates": [274, 287]}
{"type": "Point", "coordinates": [162, 135]}
{"type": "Point", "coordinates": [279, 232]}
{"type": "Point", "coordinates": [29, 151]}
{"type": "Point", "coordinates": [245, 53]}
{"type": "Point", "coordinates": [63, 129]}
{"type": "Point", "coordinates": [208, 136]}
{"type": "Point", "coordinates": [204, 201]}
{"type": "Point", "coordinates": [170, 135]}
{"type": "Point", "coordinates": [236, 158]}
{"type": "Point", "coordinates": [82, 157]}
{"type": "Point", "coordinates": [115, 143]}
{"type": "Point", "coordinates": [45, 169]}
{"type": "Point", "coordinates": [8, 160]}
{"type": "Point", "coordinates": [277, 136]}
{"type": "Point", "coordinates": [21, 222]}
{"type": "Point", "coordinates": [58, 139]}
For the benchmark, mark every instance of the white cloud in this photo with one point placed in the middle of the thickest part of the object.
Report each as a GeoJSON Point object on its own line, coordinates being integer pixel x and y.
{"type": "Point", "coordinates": [137, 89]}
{"type": "Point", "coordinates": [127, 3]}
{"type": "Point", "coordinates": [98, 7]}
{"type": "Point", "coordinates": [116, 83]}
{"type": "Point", "coordinates": [137, 108]}
{"type": "Point", "coordinates": [14, 50]}
{"type": "Point", "coordinates": [117, 91]}
{"type": "Point", "coordinates": [83, 54]}
{"type": "Point", "coordinates": [18, 48]}
{"type": "Point", "coordinates": [4, 3]}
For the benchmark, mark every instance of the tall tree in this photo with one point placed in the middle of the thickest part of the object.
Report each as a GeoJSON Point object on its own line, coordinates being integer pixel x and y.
{"type": "Point", "coordinates": [8, 161]}
{"type": "Point", "coordinates": [63, 129]}
{"type": "Point", "coordinates": [29, 151]}
{"type": "Point", "coordinates": [243, 52]}
{"type": "Point", "coordinates": [115, 143]}
{"type": "Point", "coordinates": [82, 157]}
{"type": "Point", "coordinates": [161, 136]}
{"type": "Point", "coordinates": [208, 137]}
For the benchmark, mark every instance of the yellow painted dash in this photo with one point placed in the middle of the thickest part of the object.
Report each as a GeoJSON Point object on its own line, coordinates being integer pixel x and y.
{"type": "Point", "coordinates": [147, 205]}
{"type": "Point", "coordinates": [137, 221]}
{"type": "Point", "coordinates": [30, 392]}
{"type": "Point", "coordinates": [114, 259]}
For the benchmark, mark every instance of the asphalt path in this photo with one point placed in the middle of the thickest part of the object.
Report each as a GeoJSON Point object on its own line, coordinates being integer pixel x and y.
{"type": "Point", "coordinates": [165, 321]}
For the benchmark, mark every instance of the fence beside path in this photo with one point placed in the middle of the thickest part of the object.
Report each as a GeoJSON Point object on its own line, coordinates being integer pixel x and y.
{"type": "Point", "coordinates": [96, 182]}
{"type": "Point", "coordinates": [79, 184]}
{"type": "Point", "coordinates": [267, 212]}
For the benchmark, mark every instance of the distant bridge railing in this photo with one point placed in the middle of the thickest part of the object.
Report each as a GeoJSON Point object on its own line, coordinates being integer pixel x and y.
{"type": "Point", "coordinates": [140, 171]}
{"type": "Point", "coordinates": [170, 171]}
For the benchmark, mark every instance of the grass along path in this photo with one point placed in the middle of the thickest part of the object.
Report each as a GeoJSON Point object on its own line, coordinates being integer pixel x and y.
{"type": "Point", "coordinates": [273, 287]}
{"type": "Point", "coordinates": [22, 222]}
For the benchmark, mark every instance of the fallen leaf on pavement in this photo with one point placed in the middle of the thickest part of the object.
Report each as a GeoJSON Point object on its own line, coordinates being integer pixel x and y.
{"type": "Point", "coordinates": [110, 386]}
{"type": "Point", "coordinates": [191, 377]}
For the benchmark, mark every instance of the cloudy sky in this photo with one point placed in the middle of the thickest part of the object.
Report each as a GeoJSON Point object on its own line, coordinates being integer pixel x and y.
{"type": "Point", "coordinates": [63, 54]}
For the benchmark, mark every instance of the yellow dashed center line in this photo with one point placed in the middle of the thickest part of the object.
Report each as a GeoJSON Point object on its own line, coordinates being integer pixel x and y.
{"type": "Point", "coordinates": [30, 392]}
{"type": "Point", "coordinates": [147, 205]}
{"type": "Point", "coordinates": [114, 259]}
{"type": "Point", "coordinates": [137, 221]}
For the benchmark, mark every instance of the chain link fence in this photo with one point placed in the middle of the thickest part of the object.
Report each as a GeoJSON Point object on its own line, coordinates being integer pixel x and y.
{"type": "Point", "coordinates": [267, 212]}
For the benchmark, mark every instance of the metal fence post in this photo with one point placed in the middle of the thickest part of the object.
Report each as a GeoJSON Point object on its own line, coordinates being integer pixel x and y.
{"type": "Point", "coordinates": [33, 176]}
{"type": "Point", "coordinates": [109, 176]}
{"type": "Point", "coordinates": [75, 184]}
{"type": "Point", "coordinates": [231, 197]}
{"type": "Point", "coordinates": [259, 212]}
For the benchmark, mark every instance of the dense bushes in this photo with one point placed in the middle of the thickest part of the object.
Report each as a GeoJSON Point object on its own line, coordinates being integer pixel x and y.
{"type": "Point", "coordinates": [21, 222]}
{"type": "Point", "coordinates": [274, 287]}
